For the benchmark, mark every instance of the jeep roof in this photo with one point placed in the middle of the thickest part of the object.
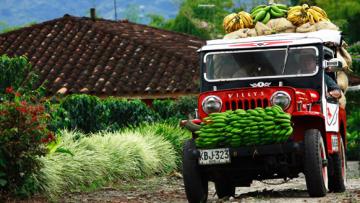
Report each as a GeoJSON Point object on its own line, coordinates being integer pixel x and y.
{"type": "Point", "coordinates": [283, 39]}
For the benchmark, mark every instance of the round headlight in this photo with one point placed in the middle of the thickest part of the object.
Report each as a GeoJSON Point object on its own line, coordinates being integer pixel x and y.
{"type": "Point", "coordinates": [281, 99]}
{"type": "Point", "coordinates": [211, 104]}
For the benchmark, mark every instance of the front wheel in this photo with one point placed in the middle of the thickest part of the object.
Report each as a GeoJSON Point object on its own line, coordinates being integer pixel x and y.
{"type": "Point", "coordinates": [337, 180]}
{"type": "Point", "coordinates": [196, 185]}
{"type": "Point", "coordinates": [315, 164]}
{"type": "Point", "coordinates": [224, 189]}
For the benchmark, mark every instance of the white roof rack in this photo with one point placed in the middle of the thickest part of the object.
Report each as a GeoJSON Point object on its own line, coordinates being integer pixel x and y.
{"type": "Point", "coordinates": [283, 39]}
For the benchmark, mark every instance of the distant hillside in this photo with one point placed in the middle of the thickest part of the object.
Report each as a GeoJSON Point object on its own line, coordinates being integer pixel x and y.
{"type": "Point", "coordinates": [23, 12]}
{"type": "Point", "coordinates": [20, 12]}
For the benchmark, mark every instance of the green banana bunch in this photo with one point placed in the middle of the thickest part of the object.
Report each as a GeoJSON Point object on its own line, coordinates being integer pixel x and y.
{"type": "Point", "coordinates": [263, 13]}
{"type": "Point", "coordinates": [244, 128]}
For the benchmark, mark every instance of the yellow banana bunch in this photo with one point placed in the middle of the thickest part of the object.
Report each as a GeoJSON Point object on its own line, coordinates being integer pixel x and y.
{"type": "Point", "coordinates": [316, 14]}
{"type": "Point", "coordinates": [247, 19]}
{"type": "Point", "coordinates": [300, 15]}
{"type": "Point", "coordinates": [297, 15]}
{"type": "Point", "coordinates": [233, 21]}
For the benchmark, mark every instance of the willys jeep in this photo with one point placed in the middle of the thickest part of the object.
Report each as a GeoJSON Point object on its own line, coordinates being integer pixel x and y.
{"type": "Point", "coordinates": [287, 70]}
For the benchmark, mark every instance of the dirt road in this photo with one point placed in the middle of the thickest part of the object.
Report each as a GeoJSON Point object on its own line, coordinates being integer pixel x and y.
{"type": "Point", "coordinates": [171, 190]}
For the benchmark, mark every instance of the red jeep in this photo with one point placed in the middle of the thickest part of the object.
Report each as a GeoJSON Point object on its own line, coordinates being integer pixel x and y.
{"type": "Point", "coordinates": [286, 70]}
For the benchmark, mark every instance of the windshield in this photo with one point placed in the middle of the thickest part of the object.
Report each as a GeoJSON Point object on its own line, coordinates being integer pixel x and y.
{"type": "Point", "coordinates": [261, 63]}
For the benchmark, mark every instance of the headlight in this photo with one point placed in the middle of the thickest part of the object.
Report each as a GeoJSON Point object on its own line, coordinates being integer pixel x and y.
{"type": "Point", "coordinates": [211, 104]}
{"type": "Point", "coordinates": [281, 98]}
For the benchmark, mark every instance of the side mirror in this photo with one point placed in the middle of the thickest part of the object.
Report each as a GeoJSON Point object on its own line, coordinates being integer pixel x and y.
{"type": "Point", "coordinates": [333, 65]}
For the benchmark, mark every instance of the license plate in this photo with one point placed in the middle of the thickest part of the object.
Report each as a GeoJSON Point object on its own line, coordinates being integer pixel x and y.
{"type": "Point", "coordinates": [214, 156]}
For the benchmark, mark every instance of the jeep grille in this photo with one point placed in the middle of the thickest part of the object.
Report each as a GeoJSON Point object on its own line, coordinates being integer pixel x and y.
{"type": "Point", "coordinates": [246, 104]}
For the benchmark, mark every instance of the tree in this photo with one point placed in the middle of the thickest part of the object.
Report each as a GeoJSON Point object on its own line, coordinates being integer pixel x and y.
{"type": "Point", "coordinates": [197, 17]}
{"type": "Point", "coordinates": [13, 73]}
{"type": "Point", "coordinates": [344, 13]}
{"type": "Point", "coordinates": [157, 20]}
{"type": "Point", "coordinates": [4, 27]}
{"type": "Point", "coordinates": [132, 13]}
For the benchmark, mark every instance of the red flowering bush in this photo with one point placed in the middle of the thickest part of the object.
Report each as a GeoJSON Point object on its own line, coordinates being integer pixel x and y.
{"type": "Point", "coordinates": [23, 138]}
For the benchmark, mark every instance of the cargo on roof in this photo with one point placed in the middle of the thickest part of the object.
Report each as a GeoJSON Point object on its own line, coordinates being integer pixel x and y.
{"type": "Point", "coordinates": [282, 39]}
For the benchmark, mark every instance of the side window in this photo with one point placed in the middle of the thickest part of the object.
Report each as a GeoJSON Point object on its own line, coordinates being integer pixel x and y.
{"type": "Point", "coordinates": [328, 54]}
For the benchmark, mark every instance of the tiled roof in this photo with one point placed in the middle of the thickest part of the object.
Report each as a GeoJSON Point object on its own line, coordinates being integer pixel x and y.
{"type": "Point", "coordinates": [103, 57]}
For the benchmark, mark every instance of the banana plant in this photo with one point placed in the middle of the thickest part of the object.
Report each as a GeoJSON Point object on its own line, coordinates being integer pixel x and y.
{"type": "Point", "coordinates": [54, 147]}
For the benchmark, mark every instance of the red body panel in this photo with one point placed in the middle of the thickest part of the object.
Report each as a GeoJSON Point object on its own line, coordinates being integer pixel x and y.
{"type": "Point", "coordinates": [246, 98]}
{"type": "Point", "coordinates": [303, 120]}
{"type": "Point", "coordinates": [341, 133]}
{"type": "Point", "coordinates": [342, 123]}
{"type": "Point", "coordinates": [304, 108]}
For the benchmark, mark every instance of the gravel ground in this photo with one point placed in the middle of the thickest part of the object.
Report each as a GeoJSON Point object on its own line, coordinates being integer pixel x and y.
{"type": "Point", "coordinates": [171, 189]}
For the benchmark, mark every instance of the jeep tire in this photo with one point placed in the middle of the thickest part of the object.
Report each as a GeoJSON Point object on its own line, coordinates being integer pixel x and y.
{"type": "Point", "coordinates": [224, 189]}
{"type": "Point", "coordinates": [315, 164]}
{"type": "Point", "coordinates": [196, 185]}
{"type": "Point", "coordinates": [337, 179]}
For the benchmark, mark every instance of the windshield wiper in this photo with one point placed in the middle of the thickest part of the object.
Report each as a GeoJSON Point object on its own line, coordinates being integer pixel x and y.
{"type": "Point", "coordinates": [285, 60]}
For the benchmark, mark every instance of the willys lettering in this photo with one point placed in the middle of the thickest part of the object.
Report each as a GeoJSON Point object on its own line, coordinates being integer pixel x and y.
{"type": "Point", "coordinates": [245, 94]}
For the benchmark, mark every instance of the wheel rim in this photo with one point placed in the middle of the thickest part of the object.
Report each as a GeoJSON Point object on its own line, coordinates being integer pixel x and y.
{"type": "Point", "coordinates": [343, 161]}
{"type": "Point", "coordinates": [323, 159]}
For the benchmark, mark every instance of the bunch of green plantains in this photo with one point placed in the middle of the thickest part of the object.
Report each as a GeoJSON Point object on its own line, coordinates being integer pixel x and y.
{"type": "Point", "coordinates": [237, 128]}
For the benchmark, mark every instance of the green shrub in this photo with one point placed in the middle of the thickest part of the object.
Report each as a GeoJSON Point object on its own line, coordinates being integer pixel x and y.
{"type": "Point", "coordinates": [86, 112]}
{"type": "Point", "coordinates": [352, 101]}
{"type": "Point", "coordinates": [186, 105]}
{"type": "Point", "coordinates": [23, 135]}
{"type": "Point", "coordinates": [122, 113]}
{"type": "Point", "coordinates": [179, 109]}
{"type": "Point", "coordinates": [353, 136]}
{"type": "Point", "coordinates": [165, 108]}
{"type": "Point", "coordinates": [102, 158]}
{"type": "Point", "coordinates": [355, 67]}
{"type": "Point", "coordinates": [354, 48]}
{"type": "Point", "coordinates": [13, 72]}
{"type": "Point", "coordinates": [353, 145]}
{"type": "Point", "coordinates": [59, 117]}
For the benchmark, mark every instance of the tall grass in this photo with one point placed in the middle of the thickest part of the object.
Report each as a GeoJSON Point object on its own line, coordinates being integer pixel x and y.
{"type": "Point", "coordinates": [169, 131]}
{"type": "Point", "coordinates": [102, 158]}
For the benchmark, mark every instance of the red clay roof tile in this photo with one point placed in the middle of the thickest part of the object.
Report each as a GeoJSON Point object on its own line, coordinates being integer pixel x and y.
{"type": "Point", "coordinates": [103, 57]}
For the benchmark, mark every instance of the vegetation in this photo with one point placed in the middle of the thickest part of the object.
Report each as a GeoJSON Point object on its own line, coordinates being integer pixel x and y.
{"type": "Point", "coordinates": [24, 133]}
{"type": "Point", "coordinates": [171, 133]}
{"type": "Point", "coordinates": [23, 127]}
{"type": "Point", "coordinates": [16, 73]}
{"type": "Point", "coordinates": [104, 157]}
{"type": "Point", "coordinates": [199, 18]}
{"type": "Point", "coordinates": [353, 128]}
{"type": "Point", "coordinates": [85, 112]}
{"type": "Point", "coordinates": [4, 27]}
{"type": "Point", "coordinates": [33, 160]}
{"type": "Point", "coordinates": [344, 13]}
{"type": "Point", "coordinates": [111, 139]}
{"type": "Point", "coordinates": [91, 114]}
{"type": "Point", "coordinates": [122, 113]}
{"type": "Point", "coordinates": [180, 108]}
{"type": "Point", "coordinates": [354, 50]}
{"type": "Point", "coordinates": [352, 108]}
